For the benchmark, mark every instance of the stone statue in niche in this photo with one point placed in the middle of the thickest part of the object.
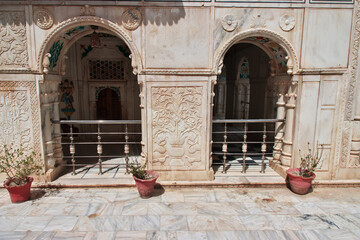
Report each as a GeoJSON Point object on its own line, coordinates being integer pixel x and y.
{"type": "Point", "coordinates": [66, 88]}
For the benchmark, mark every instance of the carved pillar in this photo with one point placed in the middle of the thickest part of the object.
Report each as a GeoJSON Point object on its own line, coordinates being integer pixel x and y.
{"type": "Point", "coordinates": [279, 126]}
{"type": "Point", "coordinates": [289, 125]}
{"type": "Point", "coordinates": [221, 99]}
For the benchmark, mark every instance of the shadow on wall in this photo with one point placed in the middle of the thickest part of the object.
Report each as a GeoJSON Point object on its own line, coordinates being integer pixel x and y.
{"type": "Point", "coordinates": [164, 16]}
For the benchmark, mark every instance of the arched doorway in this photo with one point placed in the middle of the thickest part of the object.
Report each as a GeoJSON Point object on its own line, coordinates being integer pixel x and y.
{"type": "Point", "coordinates": [246, 103]}
{"type": "Point", "coordinates": [101, 81]}
{"type": "Point", "coordinates": [108, 105]}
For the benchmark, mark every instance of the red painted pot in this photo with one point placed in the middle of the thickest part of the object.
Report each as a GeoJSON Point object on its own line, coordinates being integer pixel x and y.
{"type": "Point", "coordinates": [19, 193]}
{"type": "Point", "coordinates": [146, 187]}
{"type": "Point", "coordinates": [298, 184]}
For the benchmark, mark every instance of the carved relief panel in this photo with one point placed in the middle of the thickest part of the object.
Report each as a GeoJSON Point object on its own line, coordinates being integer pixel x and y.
{"type": "Point", "coordinates": [177, 125]}
{"type": "Point", "coordinates": [13, 45]}
{"type": "Point", "coordinates": [19, 116]}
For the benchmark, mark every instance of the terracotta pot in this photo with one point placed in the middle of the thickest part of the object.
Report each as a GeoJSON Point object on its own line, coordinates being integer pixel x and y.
{"type": "Point", "coordinates": [298, 184]}
{"type": "Point", "coordinates": [19, 193]}
{"type": "Point", "coordinates": [146, 187]}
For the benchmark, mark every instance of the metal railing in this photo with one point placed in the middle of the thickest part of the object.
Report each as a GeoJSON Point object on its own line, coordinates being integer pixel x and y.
{"type": "Point", "coordinates": [233, 137]}
{"type": "Point", "coordinates": [93, 135]}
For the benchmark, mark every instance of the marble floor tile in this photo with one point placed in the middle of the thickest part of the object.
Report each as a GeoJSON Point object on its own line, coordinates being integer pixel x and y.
{"type": "Point", "coordinates": [256, 222]}
{"type": "Point", "coordinates": [199, 195]}
{"type": "Point", "coordinates": [145, 223]}
{"type": "Point", "coordinates": [309, 234]}
{"type": "Point", "coordinates": [112, 209]}
{"type": "Point", "coordinates": [9, 223]}
{"type": "Point", "coordinates": [33, 223]}
{"type": "Point", "coordinates": [173, 223]}
{"type": "Point", "coordinates": [191, 235]}
{"type": "Point", "coordinates": [138, 235]}
{"type": "Point", "coordinates": [357, 233]}
{"type": "Point", "coordinates": [315, 222]}
{"type": "Point", "coordinates": [232, 196]}
{"type": "Point", "coordinates": [338, 234]}
{"type": "Point", "coordinates": [259, 208]}
{"type": "Point", "coordinates": [228, 222]}
{"type": "Point", "coordinates": [127, 197]}
{"type": "Point", "coordinates": [12, 235]}
{"type": "Point", "coordinates": [86, 224]}
{"type": "Point", "coordinates": [38, 209]}
{"type": "Point", "coordinates": [135, 208]}
{"type": "Point", "coordinates": [58, 209]}
{"type": "Point", "coordinates": [38, 235]}
{"type": "Point", "coordinates": [69, 235]}
{"type": "Point", "coordinates": [20, 209]}
{"type": "Point", "coordinates": [87, 209]}
{"type": "Point", "coordinates": [214, 208]}
{"type": "Point", "coordinates": [201, 223]}
{"type": "Point", "coordinates": [160, 208]}
{"type": "Point", "coordinates": [161, 235]}
{"type": "Point", "coordinates": [336, 207]}
{"type": "Point", "coordinates": [182, 208]}
{"type": "Point", "coordinates": [118, 223]}
{"type": "Point", "coordinates": [223, 235]}
{"type": "Point", "coordinates": [284, 208]}
{"type": "Point", "coordinates": [238, 207]}
{"type": "Point", "coordinates": [61, 223]}
{"type": "Point", "coordinates": [283, 222]}
{"type": "Point", "coordinates": [308, 208]}
{"type": "Point", "coordinates": [348, 221]}
{"type": "Point", "coordinates": [100, 236]}
{"type": "Point", "coordinates": [169, 197]}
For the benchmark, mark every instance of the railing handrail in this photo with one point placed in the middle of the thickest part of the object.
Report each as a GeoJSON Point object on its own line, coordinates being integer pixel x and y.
{"type": "Point", "coordinates": [247, 120]}
{"type": "Point", "coordinates": [97, 122]}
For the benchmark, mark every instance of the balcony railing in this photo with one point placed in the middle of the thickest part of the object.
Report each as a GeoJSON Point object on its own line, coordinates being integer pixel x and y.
{"type": "Point", "coordinates": [240, 140]}
{"type": "Point", "coordinates": [92, 142]}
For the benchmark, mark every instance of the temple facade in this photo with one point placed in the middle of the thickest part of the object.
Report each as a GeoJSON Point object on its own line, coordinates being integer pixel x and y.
{"type": "Point", "coordinates": [289, 67]}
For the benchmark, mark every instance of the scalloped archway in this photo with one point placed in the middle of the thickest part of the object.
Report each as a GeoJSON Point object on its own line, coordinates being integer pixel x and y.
{"type": "Point", "coordinates": [292, 64]}
{"type": "Point", "coordinates": [90, 20]}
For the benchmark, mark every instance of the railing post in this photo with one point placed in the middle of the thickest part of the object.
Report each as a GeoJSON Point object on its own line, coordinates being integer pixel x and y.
{"type": "Point", "coordinates": [224, 149]}
{"type": "Point", "coordinates": [244, 149]}
{"type": "Point", "coordinates": [126, 149]}
{"type": "Point", "coordinates": [99, 150]}
{"type": "Point", "coordinates": [263, 150]}
{"type": "Point", "coordinates": [72, 149]}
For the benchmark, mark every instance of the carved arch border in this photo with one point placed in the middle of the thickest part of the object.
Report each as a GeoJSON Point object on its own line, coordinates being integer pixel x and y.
{"type": "Point", "coordinates": [292, 64]}
{"type": "Point", "coordinates": [136, 62]}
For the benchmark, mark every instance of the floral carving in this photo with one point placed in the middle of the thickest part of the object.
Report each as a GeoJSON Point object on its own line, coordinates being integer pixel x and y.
{"type": "Point", "coordinates": [229, 23]}
{"type": "Point", "coordinates": [15, 121]}
{"type": "Point", "coordinates": [287, 23]}
{"type": "Point", "coordinates": [176, 125]}
{"type": "Point", "coordinates": [13, 50]}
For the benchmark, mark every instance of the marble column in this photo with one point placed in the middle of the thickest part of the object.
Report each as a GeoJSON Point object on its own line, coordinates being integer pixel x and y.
{"type": "Point", "coordinates": [286, 155]}
{"type": "Point", "coordinates": [279, 126]}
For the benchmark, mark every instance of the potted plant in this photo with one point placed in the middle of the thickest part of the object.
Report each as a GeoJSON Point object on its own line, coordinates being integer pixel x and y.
{"type": "Point", "coordinates": [144, 179]}
{"type": "Point", "coordinates": [18, 167]}
{"type": "Point", "coordinates": [300, 179]}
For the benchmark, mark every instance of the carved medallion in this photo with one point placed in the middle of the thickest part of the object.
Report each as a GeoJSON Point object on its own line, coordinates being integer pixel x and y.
{"type": "Point", "coordinates": [229, 23]}
{"type": "Point", "coordinates": [131, 19]}
{"type": "Point", "coordinates": [43, 18]}
{"type": "Point", "coordinates": [287, 23]}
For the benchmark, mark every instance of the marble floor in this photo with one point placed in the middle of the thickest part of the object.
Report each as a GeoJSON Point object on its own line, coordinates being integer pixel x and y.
{"type": "Point", "coordinates": [182, 213]}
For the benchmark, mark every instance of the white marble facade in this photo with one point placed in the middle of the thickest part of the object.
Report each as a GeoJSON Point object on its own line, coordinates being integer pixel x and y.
{"type": "Point", "coordinates": [177, 50]}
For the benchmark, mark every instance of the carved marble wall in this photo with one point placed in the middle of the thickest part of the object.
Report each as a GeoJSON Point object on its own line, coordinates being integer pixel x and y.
{"type": "Point", "coordinates": [177, 133]}
{"type": "Point", "coordinates": [19, 115]}
{"type": "Point", "coordinates": [13, 40]}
